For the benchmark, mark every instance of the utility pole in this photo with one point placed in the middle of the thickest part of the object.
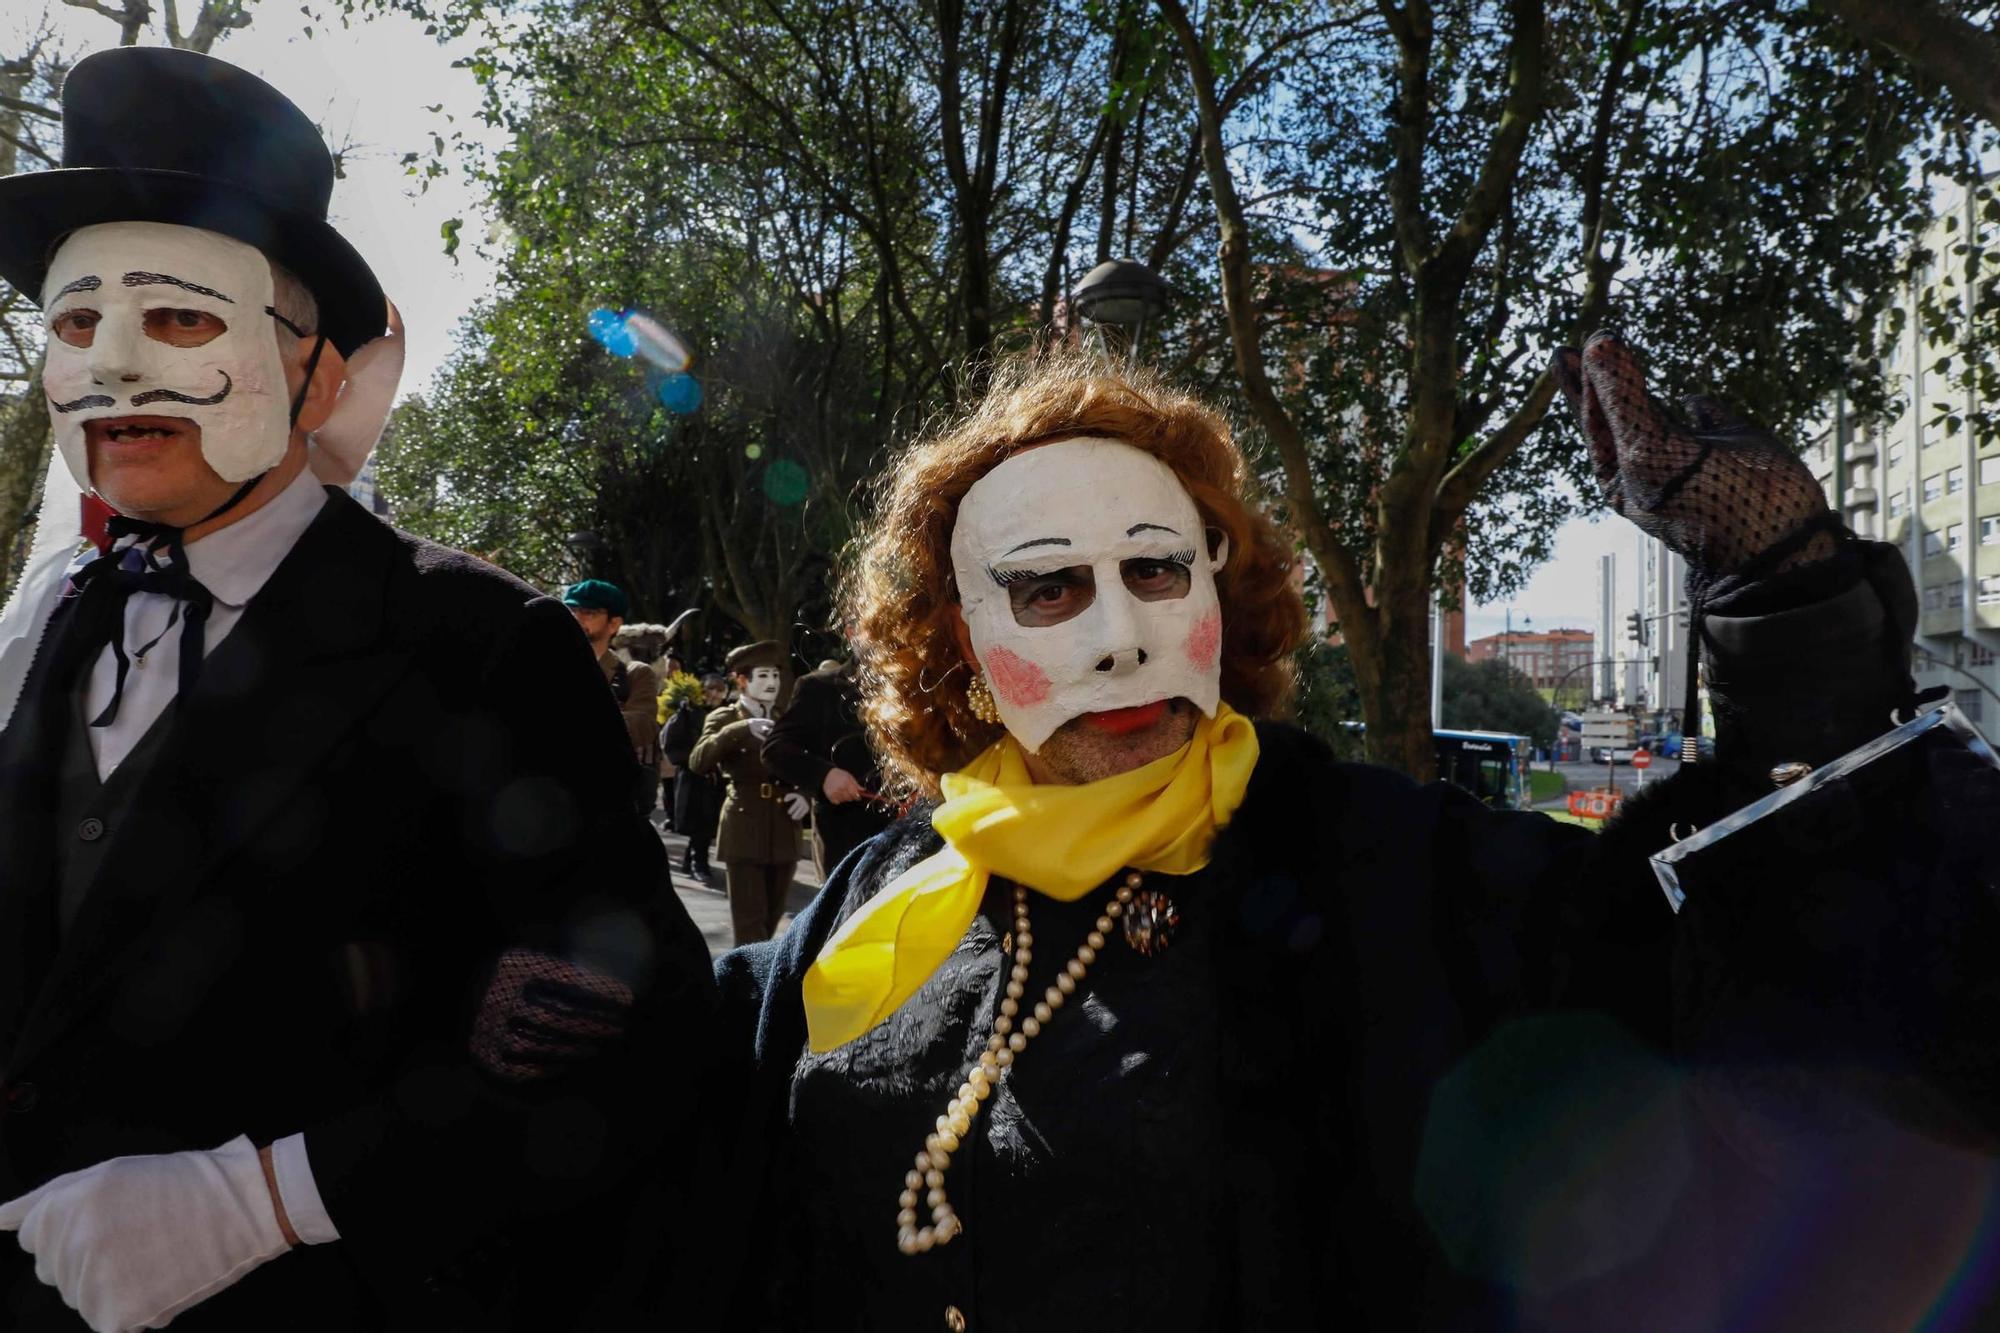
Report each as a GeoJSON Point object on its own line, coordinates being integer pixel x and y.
{"type": "Point", "coordinates": [1437, 660]}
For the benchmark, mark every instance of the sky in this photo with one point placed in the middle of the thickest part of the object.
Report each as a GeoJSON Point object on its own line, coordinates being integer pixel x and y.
{"type": "Point", "coordinates": [370, 87]}
{"type": "Point", "coordinates": [1563, 592]}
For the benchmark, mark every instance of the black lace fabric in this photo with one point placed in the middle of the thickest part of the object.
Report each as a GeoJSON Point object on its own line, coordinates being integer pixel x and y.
{"type": "Point", "coordinates": [543, 1014]}
{"type": "Point", "coordinates": [1715, 487]}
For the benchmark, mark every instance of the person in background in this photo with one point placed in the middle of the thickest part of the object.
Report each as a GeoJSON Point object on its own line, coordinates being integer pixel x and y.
{"type": "Point", "coordinates": [759, 828]}
{"type": "Point", "coordinates": [642, 646]}
{"type": "Point", "coordinates": [600, 608]}
{"type": "Point", "coordinates": [820, 746]}
{"type": "Point", "coordinates": [697, 796]}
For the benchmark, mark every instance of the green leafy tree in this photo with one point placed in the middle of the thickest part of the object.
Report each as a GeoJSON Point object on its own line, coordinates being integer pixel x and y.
{"type": "Point", "coordinates": [845, 210]}
{"type": "Point", "coordinates": [1470, 184]}
{"type": "Point", "coordinates": [1412, 203]}
{"type": "Point", "coordinates": [1494, 695]}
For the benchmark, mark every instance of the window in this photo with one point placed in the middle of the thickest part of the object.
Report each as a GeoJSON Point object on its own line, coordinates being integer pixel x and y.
{"type": "Point", "coordinates": [1978, 654]}
{"type": "Point", "coordinates": [1898, 503]}
{"type": "Point", "coordinates": [1933, 545]}
{"type": "Point", "coordinates": [1933, 487]}
{"type": "Point", "coordinates": [1897, 453]}
{"type": "Point", "coordinates": [1989, 590]}
{"type": "Point", "coordinates": [1934, 598]}
{"type": "Point", "coordinates": [1954, 480]}
{"type": "Point", "coordinates": [1989, 530]}
{"type": "Point", "coordinates": [1954, 594]}
{"type": "Point", "coordinates": [1970, 702]}
{"type": "Point", "coordinates": [1989, 471]}
{"type": "Point", "coordinates": [1954, 537]}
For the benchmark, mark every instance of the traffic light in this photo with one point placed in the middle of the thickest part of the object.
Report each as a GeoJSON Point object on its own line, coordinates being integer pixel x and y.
{"type": "Point", "coordinates": [1635, 627]}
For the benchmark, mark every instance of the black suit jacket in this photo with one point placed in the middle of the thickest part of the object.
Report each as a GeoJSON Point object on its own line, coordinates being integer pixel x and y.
{"type": "Point", "coordinates": [820, 732]}
{"type": "Point", "coordinates": [401, 762]}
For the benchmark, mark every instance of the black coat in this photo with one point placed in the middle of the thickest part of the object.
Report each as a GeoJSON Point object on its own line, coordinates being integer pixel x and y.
{"type": "Point", "coordinates": [819, 732]}
{"type": "Point", "coordinates": [1409, 1063]}
{"type": "Point", "coordinates": [401, 762]}
{"type": "Point", "coordinates": [697, 799]}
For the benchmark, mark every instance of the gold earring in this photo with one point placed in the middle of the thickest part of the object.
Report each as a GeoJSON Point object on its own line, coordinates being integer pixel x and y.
{"type": "Point", "coordinates": [979, 697]}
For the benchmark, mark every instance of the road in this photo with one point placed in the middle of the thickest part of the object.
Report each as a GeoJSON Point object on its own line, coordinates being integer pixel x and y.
{"type": "Point", "coordinates": [709, 905]}
{"type": "Point", "coordinates": [1583, 776]}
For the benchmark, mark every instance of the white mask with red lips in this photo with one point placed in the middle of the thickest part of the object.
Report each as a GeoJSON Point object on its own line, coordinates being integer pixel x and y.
{"type": "Point", "coordinates": [1087, 581]}
{"type": "Point", "coordinates": [129, 279]}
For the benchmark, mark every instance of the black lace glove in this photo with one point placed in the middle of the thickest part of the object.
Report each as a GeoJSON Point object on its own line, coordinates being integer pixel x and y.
{"type": "Point", "coordinates": [1718, 489]}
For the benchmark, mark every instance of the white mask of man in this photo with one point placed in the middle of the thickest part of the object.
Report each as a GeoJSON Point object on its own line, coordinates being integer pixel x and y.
{"type": "Point", "coordinates": [763, 685]}
{"type": "Point", "coordinates": [1088, 584]}
{"type": "Point", "coordinates": [132, 309]}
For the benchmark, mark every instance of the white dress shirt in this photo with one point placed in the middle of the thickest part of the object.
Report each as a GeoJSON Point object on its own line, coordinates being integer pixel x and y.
{"type": "Point", "coordinates": [233, 563]}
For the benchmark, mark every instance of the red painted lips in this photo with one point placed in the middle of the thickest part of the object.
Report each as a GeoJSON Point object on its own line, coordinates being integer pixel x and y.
{"type": "Point", "coordinates": [1120, 721]}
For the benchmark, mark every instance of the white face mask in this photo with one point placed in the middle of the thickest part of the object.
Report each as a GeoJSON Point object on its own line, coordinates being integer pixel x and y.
{"type": "Point", "coordinates": [1087, 581]}
{"type": "Point", "coordinates": [131, 289]}
{"type": "Point", "coordinates": [763, 685]}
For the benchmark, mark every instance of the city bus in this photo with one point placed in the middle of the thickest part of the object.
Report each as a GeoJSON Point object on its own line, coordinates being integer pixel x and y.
{"type": "Point", "coordinates": [1492, 765]}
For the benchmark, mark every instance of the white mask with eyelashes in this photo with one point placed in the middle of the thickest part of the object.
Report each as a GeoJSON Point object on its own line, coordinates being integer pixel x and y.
{"type": "Point", "coordinates": [1088, 583]}
{"type": "Point", "coordinates": [245, 429]}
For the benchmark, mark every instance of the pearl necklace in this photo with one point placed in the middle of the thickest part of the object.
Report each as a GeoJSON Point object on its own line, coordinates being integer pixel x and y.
{"type": "Point", "coordinates": [1001, 1048]}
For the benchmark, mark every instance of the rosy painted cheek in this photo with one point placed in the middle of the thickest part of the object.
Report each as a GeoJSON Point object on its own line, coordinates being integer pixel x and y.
{"type": "Point", "coordinates": [1204, 641]}
{"type": "Point", "coordinates": [1015, 679]}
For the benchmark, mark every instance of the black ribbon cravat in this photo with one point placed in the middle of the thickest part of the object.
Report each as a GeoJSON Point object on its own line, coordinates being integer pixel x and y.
{"type": "Point", "coordinates": [155, 562]}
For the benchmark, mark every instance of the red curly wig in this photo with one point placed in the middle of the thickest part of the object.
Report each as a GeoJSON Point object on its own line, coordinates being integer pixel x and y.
{"type": "Point", "coordinates": [899, 595]}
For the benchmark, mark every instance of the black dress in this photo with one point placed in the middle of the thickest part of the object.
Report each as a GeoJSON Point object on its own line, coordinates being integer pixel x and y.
{"type": "Point", "coordinates": [697, 800]}
{"type": "Point", "coordinates": [1407, 1063]}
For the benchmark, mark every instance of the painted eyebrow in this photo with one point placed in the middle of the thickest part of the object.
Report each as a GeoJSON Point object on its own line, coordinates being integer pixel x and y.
{"type": "Point", "coordinates": [137, 279]}
{"type": "Point", "coordinates": [88, 283]}
{"type": "Point", "coordinates": [1039, 541]}
{"type": "Point", "coordinates": [1138, 528]}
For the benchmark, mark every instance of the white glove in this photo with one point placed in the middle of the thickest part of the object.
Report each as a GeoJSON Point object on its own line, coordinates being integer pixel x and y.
{"type": "Point", "coordinates": [798, 806]}
{"type": "Point", "coordinates": [760, 727]}
{"type": "Point", "coordinates": [134, 1241]}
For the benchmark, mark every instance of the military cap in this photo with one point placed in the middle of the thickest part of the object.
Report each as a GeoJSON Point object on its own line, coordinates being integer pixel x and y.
{"type": "Point", "coordinates": [750, 656]}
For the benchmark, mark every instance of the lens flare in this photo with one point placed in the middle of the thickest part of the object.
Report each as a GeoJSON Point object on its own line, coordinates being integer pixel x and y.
{"type": "Point", "coordinates": [654, 344]}
{"type": "Point", "coordinates": [608, 328]}
{"type": "Point", "coordinates": [785, 482]}
{"type": "Point", "coordinates": [679, 393]}
{"type": "Point", "coordinates": [635, 335]}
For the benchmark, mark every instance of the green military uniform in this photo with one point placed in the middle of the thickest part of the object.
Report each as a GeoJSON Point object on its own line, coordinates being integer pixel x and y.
{"type": "Point", "coordinates": [758, 842]}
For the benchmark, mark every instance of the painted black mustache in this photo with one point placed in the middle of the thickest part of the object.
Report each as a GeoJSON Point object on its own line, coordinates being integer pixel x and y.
{"type": "Point", "coordinates": [150, 396]}
{"type": "Point", "coordinates": [174, 396]}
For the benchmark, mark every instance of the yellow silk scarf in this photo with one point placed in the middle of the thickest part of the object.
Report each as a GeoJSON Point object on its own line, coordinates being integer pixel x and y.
{"type": "Point", "coordinates": [1063, 841]}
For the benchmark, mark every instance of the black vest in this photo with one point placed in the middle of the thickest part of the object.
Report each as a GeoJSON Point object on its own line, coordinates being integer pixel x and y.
{"type": "Point", "coordinates": [89, 812]}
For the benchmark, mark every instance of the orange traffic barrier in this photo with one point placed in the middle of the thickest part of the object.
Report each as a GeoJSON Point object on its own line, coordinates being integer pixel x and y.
{"type": "Point", "coordinates": [1593, 804]}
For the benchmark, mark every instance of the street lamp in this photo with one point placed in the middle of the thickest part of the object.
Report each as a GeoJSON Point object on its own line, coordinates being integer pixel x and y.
{"type": "Point", "coordinates": [1123, 294]}
{"type": "Point", "coordinates": [587, 546]}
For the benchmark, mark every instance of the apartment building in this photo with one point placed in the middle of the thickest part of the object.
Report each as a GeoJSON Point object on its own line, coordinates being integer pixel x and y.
{"type": "Point", "coordinates": [1934, 493]}
{"type": "Point", "coordinates": [1544, 657]}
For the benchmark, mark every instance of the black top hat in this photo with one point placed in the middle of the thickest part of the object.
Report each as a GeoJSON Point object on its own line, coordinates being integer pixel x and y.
{"type": "Point", "coordinates": [151, 134]}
